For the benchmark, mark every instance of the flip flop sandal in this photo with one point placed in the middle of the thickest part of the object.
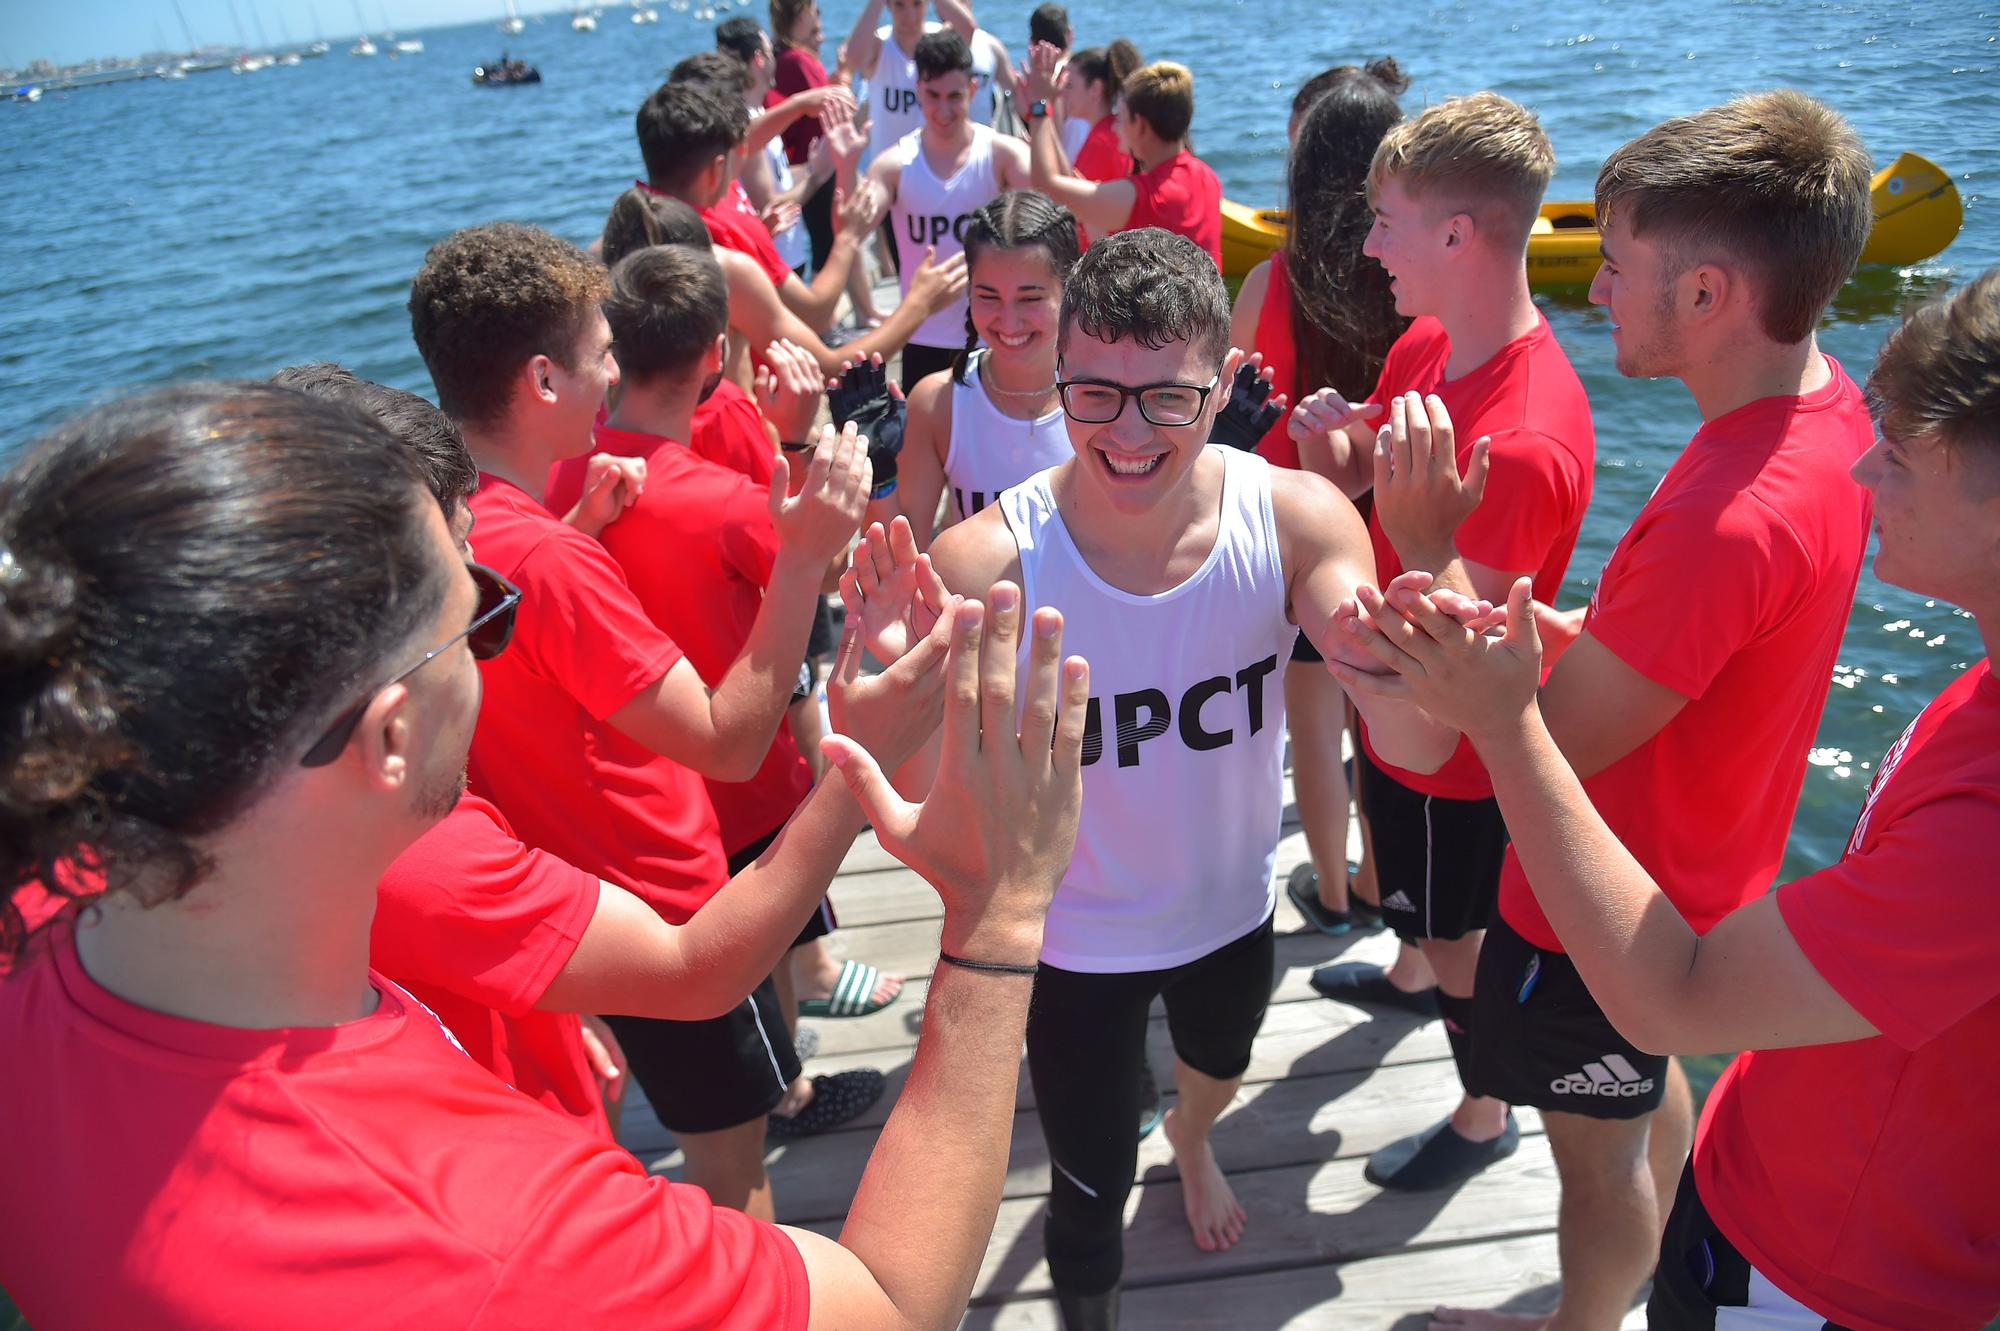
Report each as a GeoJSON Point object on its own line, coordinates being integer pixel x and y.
{"type": "Point", "coordinates": [837, 1099]}
{"type": "Point", "coordinates": [1152, 1105]}
{"type": "Point", "coordinates": [1303, 890]}
{"type": "Point", "coordinates": [806, 1043]}
{"type": "Point", "coordinates": [853, 994]}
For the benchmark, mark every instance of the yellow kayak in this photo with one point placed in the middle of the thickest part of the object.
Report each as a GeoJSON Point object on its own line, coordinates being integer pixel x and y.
{"type": "Point", "coordinates": [1917, 213]}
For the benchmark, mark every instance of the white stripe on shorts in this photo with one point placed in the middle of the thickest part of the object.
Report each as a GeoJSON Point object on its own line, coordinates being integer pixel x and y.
{"type": "Point", "coordinates": [1770, 1309]}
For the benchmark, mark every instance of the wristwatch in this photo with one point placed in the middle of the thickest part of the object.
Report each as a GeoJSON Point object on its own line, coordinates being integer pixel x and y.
{"type": "Point", "coordinates": [1037, 110]}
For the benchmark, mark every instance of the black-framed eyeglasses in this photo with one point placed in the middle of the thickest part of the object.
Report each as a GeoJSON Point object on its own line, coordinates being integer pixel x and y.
{"type": "Point", "coordinates": [1099, 402]}
{"type": "Point", "coordinates": [491, 629]}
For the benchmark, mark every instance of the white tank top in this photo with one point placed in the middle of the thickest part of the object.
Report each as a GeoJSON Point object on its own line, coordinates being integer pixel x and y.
{"type": "Point", "coordinates": [930, 213]}
{"type": "Point", "coordinates": [794, 246]}
{"type": "Point", "coordinates": [893, 109]}
{"type": "Point", "coordinates": [1183, 746]}
{"type": "Point", "coordinates": [991, 451]}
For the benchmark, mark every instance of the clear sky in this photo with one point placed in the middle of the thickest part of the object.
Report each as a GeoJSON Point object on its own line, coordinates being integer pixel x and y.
{"type": "Point", "coordinates": [87, 29]}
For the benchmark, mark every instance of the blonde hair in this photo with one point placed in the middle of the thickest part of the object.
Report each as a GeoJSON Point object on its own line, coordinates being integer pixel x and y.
{"type": "Point", "coordinates": [1163, 94]}
{"type": "Point", "coordinates": [1776, 182]}
{"type": "Point", "coordinates": [1481, 154]}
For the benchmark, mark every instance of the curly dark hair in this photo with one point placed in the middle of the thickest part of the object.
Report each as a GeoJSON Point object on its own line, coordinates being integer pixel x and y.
{"type": "Point", "coordinates": [940, 53]}
{"type": "Point", "coordinates": [490, 297]}
{"type": "Point", "coordinates": [1343, 316]}
{"type": "Point", "coordinates": [1150, 285]}
{"type": "Point", "coordinates": [448, 466]}
{"type": "Point", "coordinates": [193, 582]}
{"type": "Point", "coordinates": [718, 67]}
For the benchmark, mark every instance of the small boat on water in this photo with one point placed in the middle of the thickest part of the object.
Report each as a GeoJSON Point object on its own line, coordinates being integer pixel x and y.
{"type": "Point", "coordinates": [410, 46]}
{"type": "Point", "coordinates": [505, 73]}
{"type": "Point", "coordinates": [511, 25]}
{"type": "Point", "coordinates": [644, 13]}
{"type": "Point", "coordinates": [582, 20]}
{"type": "Point", "coordinates": [1917, 213]}
{"type": "Point", "coordinates": [362, 47]}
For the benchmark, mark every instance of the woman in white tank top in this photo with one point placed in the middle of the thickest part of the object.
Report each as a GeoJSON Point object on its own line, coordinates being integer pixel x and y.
{"type": "Point", "coordinates": [994, 419]}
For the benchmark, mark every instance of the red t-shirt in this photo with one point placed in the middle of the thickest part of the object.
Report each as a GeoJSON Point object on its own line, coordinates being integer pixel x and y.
{"type": "Point", "coordinates": [697, 549]}
{"type": "Point", "coordinates": [1731, 588]}
{"type": "Point", "coordinates": [478, 926]}
{"type": "Point", "coordinates": [734, 224]}
{"type": "Point", "coordinates": [1530, 402]}
{"type": "Point", "coordinates": [1281, 357]}
{"type": "Point", "coordinates": [568, 780]}
{"type": "Point", "coordinates": [797, 71]}
{"type": "Point", "coordinates": [1102, 157]}
{"type": "Point", "coordinates": [173, 1175]}
{"type": "Point", "coordinates": [1181, 194]}
{"type": "Point", "coordinates": [728, 428]}
{"type": "Point", "coordinates": [1864, 1178]}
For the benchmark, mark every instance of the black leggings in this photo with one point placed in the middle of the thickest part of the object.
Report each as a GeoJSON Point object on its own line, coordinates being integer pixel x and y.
{"type": "Point", "coordinates": [817, 211]}
{"type": "Point", "coordinates": [1086, 1040]}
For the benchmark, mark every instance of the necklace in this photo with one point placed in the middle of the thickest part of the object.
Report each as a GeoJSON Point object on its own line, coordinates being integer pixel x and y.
{"type": "Point", "coordinates": [1019, 394]}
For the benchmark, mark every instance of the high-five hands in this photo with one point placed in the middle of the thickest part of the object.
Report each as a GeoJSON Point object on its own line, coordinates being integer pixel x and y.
{"type": "Point", "coordinates": [817, 523]}
{"type": "Point", "coordinates": [863, 398]}
{"type": "Point", "coordinates": [892, 594]}
{"type": "Point", "coordinates": [996, 831]}
{"type": "Point", "coordinates": [1252, 408]}
{"type": "Point", "coordinates": [1431, 650]}
{"type": "Point", "coordinates": [1420, 498]}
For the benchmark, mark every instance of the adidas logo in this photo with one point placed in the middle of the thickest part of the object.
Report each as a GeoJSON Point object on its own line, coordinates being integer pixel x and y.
{"type": "Point", "coordinates": [1399, 900]}
{"type": "Point", "coordinates": [1614, 1076]}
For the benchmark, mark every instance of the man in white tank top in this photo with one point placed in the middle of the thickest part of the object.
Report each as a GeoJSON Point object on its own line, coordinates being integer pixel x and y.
{"type": "Point", "coordinates": [938, 177]}
{"type": "Point", "coordinates": [886, 56]}
{"type": "Point", "coordinates": [1183, 573]}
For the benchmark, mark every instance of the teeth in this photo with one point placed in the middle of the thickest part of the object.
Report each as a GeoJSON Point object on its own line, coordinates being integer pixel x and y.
{"type": "Point", "coordinates": [1134, 468]}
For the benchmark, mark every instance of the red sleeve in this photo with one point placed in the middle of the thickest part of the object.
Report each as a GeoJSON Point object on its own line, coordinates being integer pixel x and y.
{"type": "Point", "coordinates": [1528, 468]}
{"type": "Point", "coordinates": [1908, 931]}
{"type": "Point", "coordinates": [752, 240]}
{"type": "Point", "coordinates": [470, 909]}
{"type": "Point", "coordinates": [581, 628]}
{"type": "Point", "coordinates": [611, 1247]}
{"type": "Point", "coordinates": [728, 429]}
{"type": "Point", "coordinates": [749, 540]}
{"type": "Point", "coordinates": [1692, 584]}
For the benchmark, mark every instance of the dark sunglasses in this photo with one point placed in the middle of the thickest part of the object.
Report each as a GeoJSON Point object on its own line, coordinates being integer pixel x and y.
{"type": "Point", "coordinates": [491, 629]}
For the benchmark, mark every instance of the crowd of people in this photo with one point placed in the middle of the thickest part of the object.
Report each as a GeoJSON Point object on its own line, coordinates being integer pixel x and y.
{"type": "Point", "coordinates": [386, 783]}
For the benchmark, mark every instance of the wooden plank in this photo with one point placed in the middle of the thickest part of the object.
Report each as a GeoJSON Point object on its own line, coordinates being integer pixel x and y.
{"type": "Point", "coordinates": [1299, 1216]}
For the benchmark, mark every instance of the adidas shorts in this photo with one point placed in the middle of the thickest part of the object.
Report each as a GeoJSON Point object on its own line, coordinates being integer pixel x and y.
{"type": "Point", "coordinates": [1704, 1284]}
{"type": "Point", "coordinates": [1437, 860]}
{"type": "Point", "coordinates": [1540, 1039]}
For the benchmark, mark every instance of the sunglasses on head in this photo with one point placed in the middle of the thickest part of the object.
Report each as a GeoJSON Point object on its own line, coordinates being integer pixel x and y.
{"type": "Point", "coordinates": [491, 629]}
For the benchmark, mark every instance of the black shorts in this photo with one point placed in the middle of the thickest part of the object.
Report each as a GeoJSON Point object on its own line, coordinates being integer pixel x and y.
{"type": "Point", "coordinates": [1702, 1278]}
{"type": "Point", "coordinates": [1437, 860]}
{"type": "Point", "coordinates": [1303, 650]}
{"type": "Point", "coordinates": [1539, 1038]}
{"type": "Point", "coordinates": [822, 922]}
{"type": "Point", "coordinates": [704, 1076]}
{"type": "Point", "coordinates": [920, 360]}
{"type": "Point", "coordinates": [821, 640]}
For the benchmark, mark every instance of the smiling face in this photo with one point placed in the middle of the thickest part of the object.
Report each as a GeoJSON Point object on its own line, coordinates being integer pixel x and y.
{"type": "Point", "coordinates": [1937, 517]}
{"type": "Point", "coordinates": [945, 100]}
{"type": "Point", "coordinates": [580, 387]}
{"type": "Point", "coordinates": [1131, 463]}
{"type": "Point", "coordinates": [1639, 294]}
{"type": "Point", "coordinates": [1016, 304]}
{"type": "Point", "coordinates": [1413, 240]}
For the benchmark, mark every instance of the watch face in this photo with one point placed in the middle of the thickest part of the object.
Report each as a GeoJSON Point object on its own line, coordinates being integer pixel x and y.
{"type": "Point", "coordinates": [1036, 110]}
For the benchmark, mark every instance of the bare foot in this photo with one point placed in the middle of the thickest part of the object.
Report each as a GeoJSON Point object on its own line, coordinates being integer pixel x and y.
{"type": "Point", "coordinates": [1484, 1319]}
{"type": "Point", "coordinates": [1212, 1213]}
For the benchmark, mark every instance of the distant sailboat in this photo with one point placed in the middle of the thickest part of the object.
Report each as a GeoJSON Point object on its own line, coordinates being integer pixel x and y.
{"type": "Point", "coordinates": [511, 25]}
{"type": "Point", "coordinates": [362, 46]}
{"type": "Point", "coordinates": [581, 20]}
{"type": "Point", "coordinates": [644, 13]}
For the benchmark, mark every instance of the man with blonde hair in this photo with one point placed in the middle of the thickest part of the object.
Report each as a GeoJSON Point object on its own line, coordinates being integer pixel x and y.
{"type": "Point", "coordinates": [1172, 188]}
{"type": "Point", "coordinates": [1455, 192]}
{"type": "Point", "coordinates": [1725, 235]}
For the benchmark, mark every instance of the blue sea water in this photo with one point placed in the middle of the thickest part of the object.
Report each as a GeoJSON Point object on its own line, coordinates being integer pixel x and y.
{"type": "Point", "coordinates": [226, 225]}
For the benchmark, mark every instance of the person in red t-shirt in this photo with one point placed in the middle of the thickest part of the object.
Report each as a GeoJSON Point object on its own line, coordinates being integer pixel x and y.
{"type": "Point", "coordinates": [219, 1093]}
{"type": "Point", "coordinates": [1454, 193]}
{"type": "Point", "coordinates": [1171, 188]}
{"type": "Point", "coordinates": [1320, 314]}
{"type": "Point", "coordinates": [1089, 84]}
{"type": "Point", "coordinates": [1845, 1173]}
{"type": "Point", "coordinates": [589, 721]}
{"type": "Point", "coordinates": [1725, 234]}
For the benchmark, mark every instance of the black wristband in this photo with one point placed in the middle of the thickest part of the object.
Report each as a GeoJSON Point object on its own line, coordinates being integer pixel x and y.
{"type": "Point", "coordinates": [804, 447]}
{"type": "Point", "coordinates": [991, 967]}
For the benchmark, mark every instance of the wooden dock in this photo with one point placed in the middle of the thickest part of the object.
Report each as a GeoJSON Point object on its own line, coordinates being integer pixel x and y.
{"type": "Point", "coordinates": [1327, 1085]}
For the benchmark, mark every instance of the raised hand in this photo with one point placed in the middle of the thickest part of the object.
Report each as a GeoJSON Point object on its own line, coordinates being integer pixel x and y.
{"type": "Point", "coordinates": [789, 387]}
{"type": "Point", "coordinates": [892, 713]}
{"type": "Point", "coordinates": [861, 210]}
{"type": "Point", "coordinates": [996, 831]}
{"type": "Point", "coordinates": [843, 140]}
{"type": "Point", "coordinates": [1420, 498]}
{"type": "Point", "coordinates": [1350, 620]}
{"type": "Point", "coordinates": [1477, 682]}
{"type": "Point", "coordinates": [777, 215]}
{"type": "Point", "coordinates": [1325, 413]}
{"type": "Point", "coordinates": [864, 398]}
{"type": "Point", "coordinates": [891, 592]}
{"type": "Point", "coordinates": [935, 285]}
{"type": "Point", "coordinates": [817, 523]}
{"type": "Point", "coordinates": [1252, 409]}
{"type": "Point", "coordinates": [1036, 77]}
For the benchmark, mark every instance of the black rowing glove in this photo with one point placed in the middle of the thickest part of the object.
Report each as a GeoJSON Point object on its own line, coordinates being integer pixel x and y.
{"type": "Point", "coordinates": [863, 397]}
{"type": "Point", "coordinates": [1249, 415]}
